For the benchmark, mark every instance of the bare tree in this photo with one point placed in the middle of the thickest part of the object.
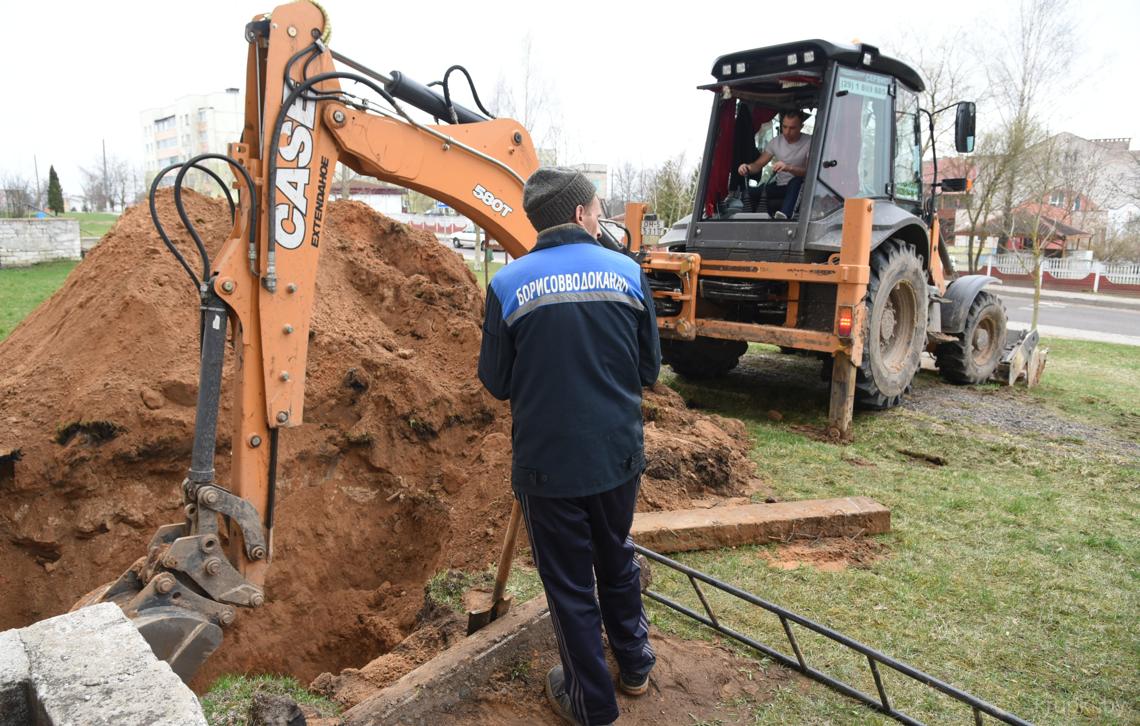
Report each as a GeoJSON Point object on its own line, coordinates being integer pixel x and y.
{"type": "Point", "coordinates": [671, 189]}
{"type": "Point", "coordinates": [528, 100]}
{"type": "Point", "coordinates": [1120, 243]}
{"type": "Point", "coordinates": [419, 203]}
{"type": "Point", "coordinates": [1051, 172]}
{"type": "Point", "coordinates": [502, 101]}
{"type": "Point", "coordinates": [344, 179]}
{"type": "Point", "coordinates": [16, 194]}
{"type": "Point", "coordinates": [96, 188]}
{"type": "Point", "coordinates": [125, 183]}
{"type": "Point", "coordinates": [1031, 57]}
{"type": "Point", "coordinates": [946, 66]}
{"type": "Point", "coordinates": [627, 183]}
{"type": "Point", "coordinates": [990, 167]}
{"type": "Point", "coordinates": [113, 181]}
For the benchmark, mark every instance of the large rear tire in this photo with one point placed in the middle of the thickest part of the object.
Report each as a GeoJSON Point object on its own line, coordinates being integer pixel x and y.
{"type": "Point", "coordinates": [975, 355]}
{"type": "Point", "coordinates": [894, 330]}
{"type": "Point", "coordinates": [702, 358]}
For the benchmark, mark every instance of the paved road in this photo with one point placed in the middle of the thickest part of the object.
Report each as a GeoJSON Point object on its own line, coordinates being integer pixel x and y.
{"type": "Point", "coordinates": [469, 253]}
{"type": "Point", "coordinates": [1076, 320]}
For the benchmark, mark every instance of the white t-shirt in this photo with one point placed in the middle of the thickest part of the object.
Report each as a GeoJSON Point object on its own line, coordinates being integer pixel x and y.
{"type": "Point", "coordinates": [792, 154]}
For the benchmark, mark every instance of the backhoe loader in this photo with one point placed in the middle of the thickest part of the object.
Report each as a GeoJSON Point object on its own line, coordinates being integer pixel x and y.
{"type": "Point", "coordinates": [746, 272]}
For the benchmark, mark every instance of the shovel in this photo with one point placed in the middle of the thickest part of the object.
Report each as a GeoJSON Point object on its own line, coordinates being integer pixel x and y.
{"type": "Point", "coordinates": [500, 600]}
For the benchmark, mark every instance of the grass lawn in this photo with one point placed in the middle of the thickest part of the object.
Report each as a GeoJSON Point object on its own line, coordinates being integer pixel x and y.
{"type": "Point", "coordinates": [23, 288]}
{"type": "Point", "coordinates": [1011, 571]}
{"type": "Point", "coordinates": [228, 700]}
{"type": "Point", "coordinates": [93, 224]}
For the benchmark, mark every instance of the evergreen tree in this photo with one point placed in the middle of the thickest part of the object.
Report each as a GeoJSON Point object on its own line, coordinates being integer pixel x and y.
{"type": "Point", "coordinates": [55, 192]}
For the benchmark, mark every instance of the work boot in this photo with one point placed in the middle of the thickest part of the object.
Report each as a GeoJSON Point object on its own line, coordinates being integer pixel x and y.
{"type": "Point", "coordinates": [559, 699]}
{"type": "Point", "coordinates": [633, 685]}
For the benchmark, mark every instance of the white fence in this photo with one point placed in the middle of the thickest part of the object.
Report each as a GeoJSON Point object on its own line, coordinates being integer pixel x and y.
{"type": "Point", "coordinates": [1122, 273]}
{"type": "Point", "coordinates": [1066, 268]}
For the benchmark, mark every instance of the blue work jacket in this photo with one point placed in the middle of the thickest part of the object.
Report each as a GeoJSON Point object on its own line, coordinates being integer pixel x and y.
{"type": "Point", "coordinates": [570, 338]}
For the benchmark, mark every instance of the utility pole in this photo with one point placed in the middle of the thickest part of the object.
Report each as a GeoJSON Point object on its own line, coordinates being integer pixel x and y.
{"type": "Point", "coordinates": [488, 257]}
{"type": "Point", "coordinates": [106, 190]}
{"type": "Point", "coordinates": [36, 166]}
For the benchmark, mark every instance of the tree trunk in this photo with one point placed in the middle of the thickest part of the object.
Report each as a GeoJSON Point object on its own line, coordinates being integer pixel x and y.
{"type": "Point", "coordinates": [1036, 290]}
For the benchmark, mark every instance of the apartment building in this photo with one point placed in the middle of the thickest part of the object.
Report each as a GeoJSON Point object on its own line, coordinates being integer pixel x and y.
{"type": "Point", "coordinates": [192, 125]}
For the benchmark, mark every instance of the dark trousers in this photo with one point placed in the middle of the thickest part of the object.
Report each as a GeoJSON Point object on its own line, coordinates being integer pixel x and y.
{"type": "Point", "coordinates": [786, 196]}
{"type": "Point", "coordinates": [572, 540]}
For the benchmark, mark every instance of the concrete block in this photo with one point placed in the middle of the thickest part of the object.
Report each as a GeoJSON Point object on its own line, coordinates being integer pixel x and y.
{"type": "Point", "coordinates": [424, 696]}
{"type": "Point", "coordinates": [15, 681]}
{"type": "Point", "coordinates": [92, 667]}
{"type": "Point", "coordinates": [685, 530]}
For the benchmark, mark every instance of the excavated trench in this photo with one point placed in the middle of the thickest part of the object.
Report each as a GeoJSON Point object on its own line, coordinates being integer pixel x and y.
{"type": "Point", "coordinates": [400, 470]}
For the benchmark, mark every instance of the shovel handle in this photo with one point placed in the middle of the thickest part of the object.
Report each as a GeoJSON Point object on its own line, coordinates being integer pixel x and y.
{"type": "Point", "coordinates": [508, 553]}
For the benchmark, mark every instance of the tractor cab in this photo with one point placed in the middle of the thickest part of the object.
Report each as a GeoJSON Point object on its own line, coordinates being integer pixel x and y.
{"type": "Point", "coordinates": [862, 124]}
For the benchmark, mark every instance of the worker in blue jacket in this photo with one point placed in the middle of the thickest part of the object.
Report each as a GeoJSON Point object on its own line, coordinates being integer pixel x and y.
{"type": "Point", "coordinates": [570, 338]}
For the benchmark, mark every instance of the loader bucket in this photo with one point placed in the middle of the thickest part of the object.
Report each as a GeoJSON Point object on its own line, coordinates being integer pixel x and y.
{"type": "Point", "coordinates": [1023, 358]}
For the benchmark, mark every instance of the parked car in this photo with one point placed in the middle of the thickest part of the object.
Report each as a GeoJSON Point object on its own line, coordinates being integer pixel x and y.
{"type": "Point", "coordinates": [466, 238]}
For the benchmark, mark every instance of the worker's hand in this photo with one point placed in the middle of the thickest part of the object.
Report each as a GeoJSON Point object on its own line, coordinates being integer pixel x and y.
{"type": "Point", "coordinates": [779, 166]}
{"type": "Point", "coordinates": [743, 170]}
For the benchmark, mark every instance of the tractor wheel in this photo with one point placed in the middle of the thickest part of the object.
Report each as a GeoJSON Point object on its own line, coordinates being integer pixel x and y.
{"type": "Point", "coordinates": [894, 329]}
{"type": "Point", "coordinates": [702, 358]}
{"type": "Point", "coordinates": [975, 355]}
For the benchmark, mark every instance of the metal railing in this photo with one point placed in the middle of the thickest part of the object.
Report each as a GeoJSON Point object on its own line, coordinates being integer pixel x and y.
{"type": "Point", "coordinates": [798, 662]}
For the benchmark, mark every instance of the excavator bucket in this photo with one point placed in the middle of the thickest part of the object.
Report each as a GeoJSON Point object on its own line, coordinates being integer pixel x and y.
{"type": "Point", "coordinates": [181, 626]}
{"type": "Point", "coordinates": [183, 638]}
{"type": "Point", "coordinates": [1023, 358]}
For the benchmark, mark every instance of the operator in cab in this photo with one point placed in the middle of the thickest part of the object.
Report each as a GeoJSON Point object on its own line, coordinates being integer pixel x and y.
{"type": "Point", "coordinates": [570, 338]}
{"type": "Point", "coordinates": [790, 149]}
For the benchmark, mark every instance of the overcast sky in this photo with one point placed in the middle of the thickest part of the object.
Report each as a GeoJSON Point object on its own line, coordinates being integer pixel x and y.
{"type": "Point", "coordinates": [621, 76]}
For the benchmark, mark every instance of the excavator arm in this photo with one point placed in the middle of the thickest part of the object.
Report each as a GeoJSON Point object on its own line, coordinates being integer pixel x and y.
{"type": "Point", "coordinates": [261, 286]}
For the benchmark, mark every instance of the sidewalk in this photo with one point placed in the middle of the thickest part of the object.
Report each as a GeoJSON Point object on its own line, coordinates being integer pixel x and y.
{"type": "Point", "coordinates": [1082, 298]}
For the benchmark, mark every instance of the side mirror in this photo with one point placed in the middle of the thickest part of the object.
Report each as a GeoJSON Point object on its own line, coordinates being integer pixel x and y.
{"type": "Point", "coordinates": [964, 127]}
{"type": "Point", "coordinates": [957, 184]}
{"type": "Point", "coordinates": [613, 236]}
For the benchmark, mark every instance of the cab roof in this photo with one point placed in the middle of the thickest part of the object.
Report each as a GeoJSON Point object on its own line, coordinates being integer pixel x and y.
{"type": "Point", "coordinates": [811, 56]}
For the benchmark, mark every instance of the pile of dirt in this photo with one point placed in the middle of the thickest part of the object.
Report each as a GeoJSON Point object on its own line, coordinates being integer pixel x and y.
{"type": "Point", "coordinates": [401, 468]}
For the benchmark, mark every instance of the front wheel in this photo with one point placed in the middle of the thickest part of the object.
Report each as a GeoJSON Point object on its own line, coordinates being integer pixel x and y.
{"type": "Point", "coordinates": [702, 358]}
{"type": "Point", "coordinates": [894, 327]}
{"type": "Point", "coordinates": [975, 355]}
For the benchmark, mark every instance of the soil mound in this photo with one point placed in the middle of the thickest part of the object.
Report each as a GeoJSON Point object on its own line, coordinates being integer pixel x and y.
{"type": "Point", "coordinates": [400, 469]}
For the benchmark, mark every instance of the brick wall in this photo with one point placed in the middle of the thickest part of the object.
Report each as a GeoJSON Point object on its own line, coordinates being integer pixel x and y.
{"type": "Point", "coordinates": [29, 241]}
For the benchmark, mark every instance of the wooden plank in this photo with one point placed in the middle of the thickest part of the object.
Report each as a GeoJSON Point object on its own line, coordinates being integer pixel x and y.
{"type": "Point", "coordinates": [700, 529]}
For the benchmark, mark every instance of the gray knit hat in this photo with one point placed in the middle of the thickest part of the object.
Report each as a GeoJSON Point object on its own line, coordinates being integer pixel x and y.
{"type": "Point", "coordinates": [553, 193]}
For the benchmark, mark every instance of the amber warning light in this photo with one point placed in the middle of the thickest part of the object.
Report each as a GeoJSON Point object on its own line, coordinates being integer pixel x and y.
{"type": "Point", "coordinates": [844, 321]}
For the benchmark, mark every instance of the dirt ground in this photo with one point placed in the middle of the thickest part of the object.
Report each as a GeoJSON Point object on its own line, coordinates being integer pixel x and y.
{"type": "Point", "coordinates": [400, 469]}
{"type": "Point", "coordinates": [781, 383]}
{"type": "Point", "coordinates": [694, 682]}
{"type": "Point", "coordinates": [827, 554]}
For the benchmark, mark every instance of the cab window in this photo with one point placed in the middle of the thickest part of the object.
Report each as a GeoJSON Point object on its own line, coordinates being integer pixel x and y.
{"type": "Point", "coordinates": [856, 159]}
